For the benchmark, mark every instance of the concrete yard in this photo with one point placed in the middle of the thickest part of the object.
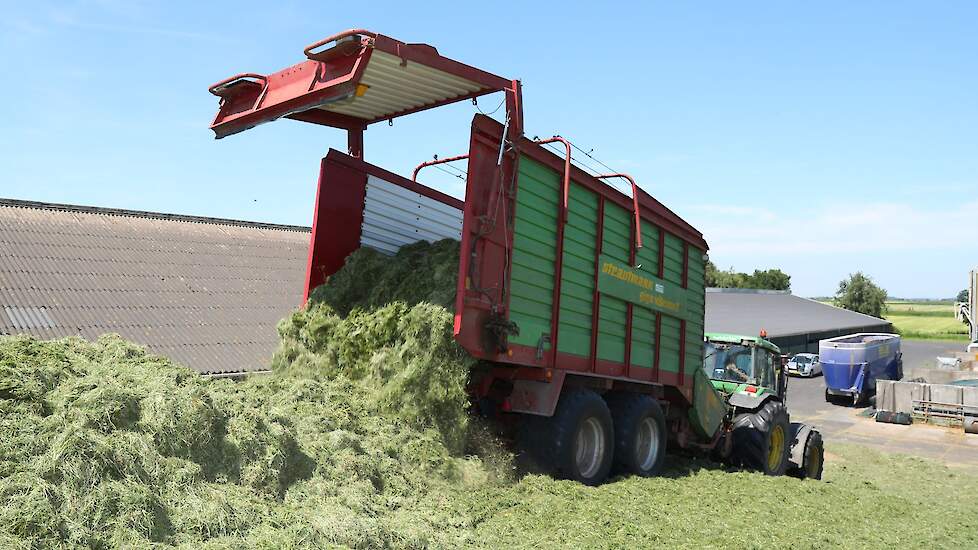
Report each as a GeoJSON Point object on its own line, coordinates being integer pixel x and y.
{"type": "Point", "coordinates": [806, 402]}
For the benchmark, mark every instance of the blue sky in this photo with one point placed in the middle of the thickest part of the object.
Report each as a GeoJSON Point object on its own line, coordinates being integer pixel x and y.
{"type": "Point", "coordinates": [822, 138]}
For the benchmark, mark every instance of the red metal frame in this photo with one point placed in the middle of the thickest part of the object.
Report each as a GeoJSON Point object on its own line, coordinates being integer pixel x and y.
{"type": "Point", "coordinates": [340, 197]}
{"type": "Point", "coordinates": [324, 56]}
{"type": "Point", "coordinates": [222, 87]}
{"type": "Point", "coordinates": [435, 162]}
{"type": "Point", "coordinates": [484, 260]}
{"type": "Point", "coordinates": [340, 194]}
{"type": "Point", "coordinates": [559, 260]}
{"type": "Point", "coordinates": [596, 300]}
{"type": "Point", "coordinates": [682, 351]}
{"type": "Point", "coordinates": [565, 182]}
{"type": "Point", "coordinates": [333, 74]}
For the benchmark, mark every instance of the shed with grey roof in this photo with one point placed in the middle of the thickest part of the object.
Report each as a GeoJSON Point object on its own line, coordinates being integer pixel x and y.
{"type": "Point", "coordinates": [793, 323]}
{"type": "Point", "coordinates": [205, 292]}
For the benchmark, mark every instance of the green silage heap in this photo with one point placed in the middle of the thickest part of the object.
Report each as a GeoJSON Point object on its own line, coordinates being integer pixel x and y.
{"type": "Point", "coordinates": [359, 439]}
{"type": "Point", "coordinates": [353, 440]}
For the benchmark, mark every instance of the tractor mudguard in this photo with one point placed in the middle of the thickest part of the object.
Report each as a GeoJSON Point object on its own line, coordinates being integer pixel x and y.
{"type": "Point", "coordinates": [800, 432]}
{"type": "Point", "coordinates": [806, 459]}
{"type": "Point", "coordinates": [747, 402]}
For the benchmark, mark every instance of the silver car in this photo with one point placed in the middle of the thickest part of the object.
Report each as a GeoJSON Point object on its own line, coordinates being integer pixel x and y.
{"type": "Point", "coordinates": [805, 364]}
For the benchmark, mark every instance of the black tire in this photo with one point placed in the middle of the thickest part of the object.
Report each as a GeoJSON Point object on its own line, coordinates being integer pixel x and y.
{"type": "Point", "coordinates": [833, 399]}
{"type": "Point", "coordinates": [580, 413]}
{"type": "Point", "coordinates": [762, 439]}
{"type": "Point", "coordinates": [530, 440]}
{"type": "Point", "coordinates": [813, 459]}
{"type": "Point", "coordinates": [640, 433]}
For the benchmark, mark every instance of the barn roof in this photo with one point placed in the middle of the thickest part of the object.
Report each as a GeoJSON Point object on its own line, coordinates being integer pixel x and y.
{"type": "Point", "coordinates": [742, 311]}
{"type": "Point", "coordinates": [205, 292]}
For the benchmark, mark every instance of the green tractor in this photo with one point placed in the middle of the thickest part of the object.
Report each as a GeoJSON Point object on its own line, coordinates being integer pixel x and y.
{"type": "Point", "coordinates": [748, 374]}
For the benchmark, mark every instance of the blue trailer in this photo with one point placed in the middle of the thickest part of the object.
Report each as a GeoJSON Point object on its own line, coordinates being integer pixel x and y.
{"type": "Point", "coordinates": [853, 363]}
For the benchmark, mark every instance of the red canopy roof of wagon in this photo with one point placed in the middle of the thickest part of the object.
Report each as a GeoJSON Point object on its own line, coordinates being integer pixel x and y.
{"type": "Point", "coordinates": [350, 80]}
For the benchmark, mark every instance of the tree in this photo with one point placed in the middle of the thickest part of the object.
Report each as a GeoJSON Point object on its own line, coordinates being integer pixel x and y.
{"type": "Point", "coordinates": [771, 279]}
{"type": "Point", "coordinates": [710, 275]}
{"type": "Point", "coordinates": [962, 296]}
{"type": "Point", "coordinates": [859, 293]}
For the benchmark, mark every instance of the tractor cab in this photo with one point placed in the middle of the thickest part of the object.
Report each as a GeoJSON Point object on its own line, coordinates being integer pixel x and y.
{"type": "Point", "coordinates": [746, 365]}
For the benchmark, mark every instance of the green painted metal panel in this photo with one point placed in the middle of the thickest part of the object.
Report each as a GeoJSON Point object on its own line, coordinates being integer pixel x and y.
{"type": "Point", "coordinates": [673, 263]}
{"type": "Point", "coordinates": [577, 274]}
{"type": "Point", "coordinates": [669, 345]}
{"type": "Point", "coordinates": [611, 329]}
{"type": "Point", "coordinates": [648, 255]}
{"type": "Point", "coordinates": [534, 251]}
{"type": "Point", "coordinates": [643, 338]}
{"type": "Point", "coordinates": [695, 304]}
{"type": "Point", "coordinates": [532, 277]}
{"type": "Point", "coordinates": [612, 317]}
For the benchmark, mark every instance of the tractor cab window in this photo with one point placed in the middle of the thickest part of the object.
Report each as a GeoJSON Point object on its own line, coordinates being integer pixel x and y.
{"type": "Point", "coordinates": [728, 362]}
{"type": "Point", "coordinates": [765, 365]}
{"type": "Point", "coordinates": [739, 363]}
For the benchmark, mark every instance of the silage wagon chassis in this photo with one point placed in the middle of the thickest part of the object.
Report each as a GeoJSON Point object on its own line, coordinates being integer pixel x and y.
{"type": "Point", "coordinates": [583, 304]}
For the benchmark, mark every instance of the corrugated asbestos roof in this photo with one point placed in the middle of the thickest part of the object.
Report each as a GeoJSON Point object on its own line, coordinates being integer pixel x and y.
{"type": "Point", "coordinates": [204, 292]}
{"type": "Point", "coordinates": [740, 311]}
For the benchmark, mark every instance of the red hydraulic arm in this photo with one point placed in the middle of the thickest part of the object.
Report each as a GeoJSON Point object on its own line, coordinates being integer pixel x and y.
{"type": "Point", "coordinates": [435, 162]}
{"type": "Point", "coordinates": [635, 209]}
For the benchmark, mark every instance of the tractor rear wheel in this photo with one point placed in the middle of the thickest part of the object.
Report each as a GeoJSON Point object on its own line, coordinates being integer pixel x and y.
{"type": "Point", "coordinates": [761, 438]}
{"type": "Point", "coordinates": [580, 440]}
{"type": "Point", "coordinates": [640, 433]}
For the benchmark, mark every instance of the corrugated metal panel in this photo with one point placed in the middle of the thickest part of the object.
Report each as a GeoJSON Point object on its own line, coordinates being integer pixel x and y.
{"type": "Point", "coordinates": [24, 318]}
{"type": "Point", "coordinates": [577, 284]}
{"type": "Point", "coordinates": [781, 314]}
{"type": "Point", "coordinates": [394, 88]}
{"type": "Point", "coordinates": [394, 216]}
{"type": "Point", "coordinates": [534, 252]}
{"type": "Point", "coordinates": [613, 315]}
{"type": "Point", "coordinates": [207, 295]}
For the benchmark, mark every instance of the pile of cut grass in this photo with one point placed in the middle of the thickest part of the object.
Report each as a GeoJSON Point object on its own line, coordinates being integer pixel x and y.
{"type": "Point", "coordinates": [354, 440]}
{"type": "Point", "coordinates": [360, 439]}
{"type": "Point", "coordinates": [105, 446]}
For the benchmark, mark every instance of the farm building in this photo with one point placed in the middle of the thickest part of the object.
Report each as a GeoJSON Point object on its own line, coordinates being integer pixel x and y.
{"type": "Point", "coordinates": [794, 323]}
{"type": "Point", "coordinates": [205, 292]}
{"type": "Point", "coordinates": [209, 292]}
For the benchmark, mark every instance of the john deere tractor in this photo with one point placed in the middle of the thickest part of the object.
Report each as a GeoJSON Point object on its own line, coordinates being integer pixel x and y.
{"type": "Point", "coordinates": [748, 373]}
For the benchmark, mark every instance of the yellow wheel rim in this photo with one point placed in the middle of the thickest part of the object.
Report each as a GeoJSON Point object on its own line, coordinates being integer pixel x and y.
{"type": "Point", "coordinates": [776, 451]}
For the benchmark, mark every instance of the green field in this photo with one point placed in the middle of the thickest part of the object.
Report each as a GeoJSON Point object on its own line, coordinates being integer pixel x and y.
{"type": "Point", "coordinates": [927, 320]}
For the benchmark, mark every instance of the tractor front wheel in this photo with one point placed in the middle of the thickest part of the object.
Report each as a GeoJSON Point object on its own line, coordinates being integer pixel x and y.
{"type": "Point", "coordinates": [761, 439]}
{"type": "Point", "coordinates": [813, 458]}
